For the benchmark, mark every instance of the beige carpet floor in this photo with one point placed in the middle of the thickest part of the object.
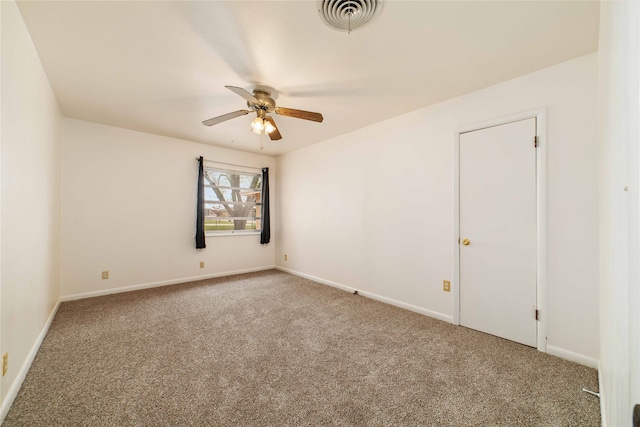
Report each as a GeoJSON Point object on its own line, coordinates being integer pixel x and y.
{"type": "Point", "coordinates": [270, 348]}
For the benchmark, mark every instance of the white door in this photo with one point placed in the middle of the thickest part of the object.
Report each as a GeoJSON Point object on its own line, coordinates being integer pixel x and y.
{"type": "Point", "coordinates": [498, 231]}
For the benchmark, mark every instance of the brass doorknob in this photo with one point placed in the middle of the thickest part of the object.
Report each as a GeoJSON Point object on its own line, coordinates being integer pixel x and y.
{"type": "Point", "coordinates": [466, 242]}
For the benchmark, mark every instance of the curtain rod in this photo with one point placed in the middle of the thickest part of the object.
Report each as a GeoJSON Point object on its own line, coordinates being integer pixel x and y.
{"type": "Point", "coordinates": [228, 164]}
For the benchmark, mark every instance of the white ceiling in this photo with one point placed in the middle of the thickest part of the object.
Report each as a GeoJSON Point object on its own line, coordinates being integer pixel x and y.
{"type": "Point", "coordinates": [161, 67]}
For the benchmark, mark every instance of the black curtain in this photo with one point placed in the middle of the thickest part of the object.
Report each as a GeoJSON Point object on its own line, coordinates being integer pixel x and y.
{"type": "Point", "coordinates": [200, 244]}
{"type": "Point", "coordinates": [265, 233]}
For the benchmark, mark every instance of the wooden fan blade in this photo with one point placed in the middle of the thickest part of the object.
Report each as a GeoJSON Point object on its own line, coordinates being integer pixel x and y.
{"type": "Point", "coordinates": [243, 93]}
{"type": "Point", "coordinates": [275, 135]}
{"type": "Point", "coordinates": [299, 114]}
{"type": "Point", "coordinates": [225, 117]}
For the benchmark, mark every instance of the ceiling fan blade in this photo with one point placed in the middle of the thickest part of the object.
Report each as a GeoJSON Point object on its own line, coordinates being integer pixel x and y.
{"type": "Point", "coordinates": [225, 117]}
{"type": "Point", "coordinates": [243, 93]}
{"type": "Point", "coordinates": [275, 135]}
{"type": "Point", "coordinates": [300, 114]}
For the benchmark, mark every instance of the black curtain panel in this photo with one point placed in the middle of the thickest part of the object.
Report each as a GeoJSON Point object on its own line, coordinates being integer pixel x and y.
{"type": "Point", "coordinates": [265, 233]}
{"type": "Point", "coordinates": [200, 244]}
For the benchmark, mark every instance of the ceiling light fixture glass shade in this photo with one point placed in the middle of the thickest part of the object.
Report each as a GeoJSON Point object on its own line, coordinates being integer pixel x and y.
{"type": "Point", "coordinates": [268, 127]}
{"type": "Point", "coordinates": [261, 126]}
{"type": "Point", "coordinates": [257, 125]}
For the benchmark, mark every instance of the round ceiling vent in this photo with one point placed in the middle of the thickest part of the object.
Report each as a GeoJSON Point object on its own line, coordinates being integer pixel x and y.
{"type": "Point", "coordinates": [348, 15]}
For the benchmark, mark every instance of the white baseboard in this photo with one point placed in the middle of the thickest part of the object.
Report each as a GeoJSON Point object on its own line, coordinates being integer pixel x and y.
{"type": "Point", "coordinates": [317, 279]}
{"type": "Point", "coordinates": [371, 295]}
{"type": "Point", "coordinates": [22, 373]}
{"type": "Point", "coordinates": [84, 295]}
{"type": "Point", "coordinates": [573, 357]}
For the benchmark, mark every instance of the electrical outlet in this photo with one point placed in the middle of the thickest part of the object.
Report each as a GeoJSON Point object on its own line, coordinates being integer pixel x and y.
{"type": "Point", "coordinates": [105, 274]}
{"type": "Point", "coordinates": [446, 286]}
{"type": "Point", "coordinates": [201, 264]}
{"type": "Point", "coordinates": [5, 363]}
{"type": "Point", "coordinates": [286, 258]}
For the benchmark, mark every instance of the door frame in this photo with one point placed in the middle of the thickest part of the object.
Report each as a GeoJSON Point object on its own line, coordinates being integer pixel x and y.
{"type": "Point", "coordinates": [541, 214]}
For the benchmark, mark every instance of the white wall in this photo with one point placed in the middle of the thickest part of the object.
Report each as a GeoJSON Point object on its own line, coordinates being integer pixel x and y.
{"type": "Point", "coordinates": [128, 206]}
{"type": "Point", "coordinates": [619, 211]}
{"type": "Point", "coordinates": [372, 209]}
{"type": "Point", "coordinates": [30, 193]}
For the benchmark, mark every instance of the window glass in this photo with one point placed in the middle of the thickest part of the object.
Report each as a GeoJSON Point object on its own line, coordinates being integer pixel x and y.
{"type": "Point", "coordinates": [232, 201]}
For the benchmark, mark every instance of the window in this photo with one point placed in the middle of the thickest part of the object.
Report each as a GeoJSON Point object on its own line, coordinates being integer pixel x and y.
{"type": "Point", "coordinates": [232, 201]}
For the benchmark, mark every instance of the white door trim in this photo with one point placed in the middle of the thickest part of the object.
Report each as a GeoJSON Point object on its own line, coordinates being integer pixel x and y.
{"type": "Point", "coordinates": [541, 215]}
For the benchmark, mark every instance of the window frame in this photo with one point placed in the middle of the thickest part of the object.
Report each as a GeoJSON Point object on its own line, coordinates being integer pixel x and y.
{"type": "Point", "coordinates": [207, 201]}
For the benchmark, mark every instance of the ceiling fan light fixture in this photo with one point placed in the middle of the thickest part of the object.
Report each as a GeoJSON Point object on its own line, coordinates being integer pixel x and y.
{"type": "Point", "coordinates": [262, 126]}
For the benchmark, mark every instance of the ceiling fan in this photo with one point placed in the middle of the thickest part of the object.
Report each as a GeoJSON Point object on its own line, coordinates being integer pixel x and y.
{"type": "Point", "coordinates": [262, 104]}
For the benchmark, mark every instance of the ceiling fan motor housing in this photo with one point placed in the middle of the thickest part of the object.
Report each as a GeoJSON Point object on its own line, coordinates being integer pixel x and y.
{"type": "Point", "coordinates": [266, 103]}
